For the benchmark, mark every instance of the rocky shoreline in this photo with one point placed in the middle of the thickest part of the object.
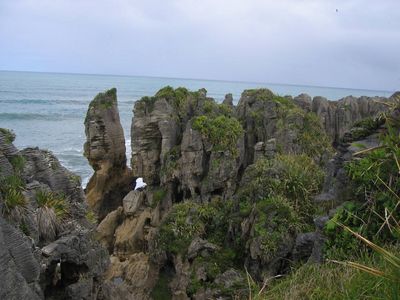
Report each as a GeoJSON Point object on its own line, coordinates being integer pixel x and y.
{"type": "Point", "coordinates": [223, 200]}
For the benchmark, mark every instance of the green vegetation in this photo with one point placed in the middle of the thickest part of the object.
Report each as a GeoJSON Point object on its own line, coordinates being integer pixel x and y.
{"type": "Point", "coordinates": [276, 221]}
{"type": "Point", "coordinates": [222, 132]}
{"type": "Point", "coordinates": [105, 100]}
{"type": "Point", "coordinates": [52, 208]}
{"type": "Point", "coordinates": [11, 188]}
{"type": "Point", "coordinates": [375, 209]}
{"type": "Point", "coordinates": [188, 220]}
{"type": "Point", "coordinates": [161, 290]}
{"type": "Point", "coordinates": [158, 195]}
{"type": "Point", "coordinates": [279, 194]}
{"type": "Point", "coordinates": [91, 217]}
{"type": "Point", "coordinates": [313, 139]}
{"type": "Point", "coordinates": [333, 281]}
{"type": "Point", "coordinates": [370, 124]}
{"type": "Point", "coordinates": [365, 127]}
{"type": "Point", "coordinates": [215, 264]}
{"type": "Point", "coordinates": [178, 98]}
{"type": "Point", "coordinates": [170, 162]}
{"type": "Point", "coordinates": [295, 177]}
{"type": "Point", "coordinates": [209, 221]}
{"type": "Point", "coordinates": [213, 109]}
{"type": "Point", "coordinates": [371, 219]}
{"type": "Point", "coordinates": [18, 163]}
{"type": "Point", "coordinates": [311, 135]}
{"type": "Point", "coordinates": [76, 179]}
{"type": "Point", "coordinates": [185, 221]}
{"type": "Point", "coordinates": [24, 228]}
{"type": "Point", "coordinates": [259, 94]}
{"type": "Point", "coordinates": [52, 201]}
{"type": "Point", "coordinates": [8, 135]}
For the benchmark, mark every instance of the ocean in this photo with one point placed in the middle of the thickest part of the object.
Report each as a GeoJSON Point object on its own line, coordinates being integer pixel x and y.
{"type": "Point", "coordinates": [47, 110]}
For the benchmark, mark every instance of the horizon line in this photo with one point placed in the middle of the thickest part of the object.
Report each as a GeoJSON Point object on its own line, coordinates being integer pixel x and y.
{"type": "Point", "coordinates": [200, 79]}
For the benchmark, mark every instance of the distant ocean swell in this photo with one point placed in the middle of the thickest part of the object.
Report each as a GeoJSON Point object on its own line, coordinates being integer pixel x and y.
{"type": "Point", "coordinates": [55, 102]}
{"type": "Point", "coordinates": [48, 110]}
{"type": "Point", "coordinates": [36, 116]}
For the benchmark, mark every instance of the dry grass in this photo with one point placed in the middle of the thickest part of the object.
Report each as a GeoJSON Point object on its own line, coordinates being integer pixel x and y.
{"type": "Point", "coordinates": [47, 223]}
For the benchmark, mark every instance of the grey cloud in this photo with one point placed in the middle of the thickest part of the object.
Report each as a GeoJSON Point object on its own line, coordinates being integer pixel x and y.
{"type": "Point", "coordinates": [299, 41]}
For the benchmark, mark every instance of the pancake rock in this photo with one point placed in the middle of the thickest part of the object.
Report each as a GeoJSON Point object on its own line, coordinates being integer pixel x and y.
{"type": "Point", "coordinates": [105, 151]}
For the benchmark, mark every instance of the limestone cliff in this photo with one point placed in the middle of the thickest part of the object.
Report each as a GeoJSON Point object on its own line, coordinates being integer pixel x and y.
{"type": "Point", "coordinates": [105, 151]}
{"type": "Point", "coordinates": [229, 186]}
{"type": "Point", "coordinates": [43, 222]}
{"type": "Point", "coordinates": [338, 116]}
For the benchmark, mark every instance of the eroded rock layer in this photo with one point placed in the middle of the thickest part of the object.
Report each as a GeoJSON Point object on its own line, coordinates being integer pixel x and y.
{"type": "Point", "coordinates": [105, 151]}
{"type": "Point", "coordinates": [219, 194]}
{"type": "Point", "coordinates": [46, 245]}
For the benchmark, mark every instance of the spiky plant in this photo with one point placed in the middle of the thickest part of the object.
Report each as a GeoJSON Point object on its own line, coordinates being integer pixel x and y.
{"type": "Point", "coordinates": [392, 271]}
{"type": "Point", "coordinates": [47, 223]}
{"type": "Point", "coordinates": [11, 188]}
{"type": "Point", "coordinates": [52, 209]}
{"type": "Point", "coordinates": [91, 217]}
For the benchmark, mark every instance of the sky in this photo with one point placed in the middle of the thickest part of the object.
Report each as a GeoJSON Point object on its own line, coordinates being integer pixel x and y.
{"type": "Point", "coordinates": [338, 43]}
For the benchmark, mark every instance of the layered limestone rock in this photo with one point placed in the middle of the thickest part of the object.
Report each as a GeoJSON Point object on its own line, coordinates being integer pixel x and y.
{"type": "Point", "coordinates": [279, 124]}
{"type": "Point", "coordinates": [339, 116]}
{"type": "Point", "coordinates": [214, 187]}
{"type": "Point", "coordinates": [105, 151]}
{"type": "Point", "coordinates": [155, 131]}
{"type": "Point", "coordinates": [167, 149]}
{"type": "Point", "coordinates": [46, 245]}
{"type": "Point", "coordinates": [128, 233]}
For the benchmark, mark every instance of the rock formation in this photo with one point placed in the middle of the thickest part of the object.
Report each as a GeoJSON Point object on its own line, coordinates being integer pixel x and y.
{"type": "Point", "coordinates": [339, 116]}
{"type": "Point", "coordinates": [105, 151]}
{"type": "Point", "coordinates": [43, 223]}
{"type": "Point", "coordinates": [196, 170]}
{"type": "Point", "coordinates": [229, 186]}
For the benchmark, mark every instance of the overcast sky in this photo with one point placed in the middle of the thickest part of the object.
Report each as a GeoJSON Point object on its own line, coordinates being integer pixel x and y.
{"type": "Point", "coordinates": [348, 43]}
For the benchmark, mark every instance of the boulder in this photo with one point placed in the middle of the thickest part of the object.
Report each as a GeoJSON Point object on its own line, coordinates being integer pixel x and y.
{"type": "Point", "coordinates": [133, 201]}
{"type": "Point", "coordinates": [229, 278]}
{"type": "Point", "coordinates": [200, 247]}
{"type": "Point", "coordinates": [106, 229]}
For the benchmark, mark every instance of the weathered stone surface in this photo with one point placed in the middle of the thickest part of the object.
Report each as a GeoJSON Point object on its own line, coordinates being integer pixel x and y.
{"type": "Point", "coordinates": [18, 266]}
{"type": "Point", "coordinates": [43, 167]}
{"type": "Point", "coordinates": [181, 279]}
{"type": "Point", "coordinates": [228, 100]}
{"type": "Point", "coordinates": [154, 133]}
{"type": "Point", "coordinates": [304, 246]}
{"type": "Point", "coordinates": [304, 101]}
{"type": "Point", "coordinates": [80, 251]}
{"type": "Point", "coordinates": [6, 169]}
{"type": "Point", "coordinates": [106, 229]}
{"type": "Point", "coordinates": [130, 235]}
{"type": "Point", "coordinates": [135, 274]}
{"type": "Point", "coordinates": [133, 201]}
{"type": "Point", "coordinates": [26, 272]}
{"type": "Point", "coordinates": [172, 156]}
{"type": "Point", "coordinates": [339, 116]}
{"type": "Point", "coordinates": [105, 151]}
{"type": "Point", "coordinates": [229, 278]}
{"type": "Point", "coordinates": [82, 290]}
{"type": "Point", "coordinates": [192, 162]}
{"type": "Point", "coordinates": [200, 247]}
{"type": "Point", "coordinates": [7, 148]}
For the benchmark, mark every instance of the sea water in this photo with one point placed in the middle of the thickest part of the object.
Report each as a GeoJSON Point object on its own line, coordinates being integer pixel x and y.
{"type": "Point", "coordinates": [47, 110]}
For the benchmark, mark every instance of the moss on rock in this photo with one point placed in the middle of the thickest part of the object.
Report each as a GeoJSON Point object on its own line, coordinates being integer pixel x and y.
{"type": "Point", "coordinates": [8, 135]}
{"type": "Point", "coordinates": [222, 132]}
{"type": "Point", "coordinates": [105, 100]}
